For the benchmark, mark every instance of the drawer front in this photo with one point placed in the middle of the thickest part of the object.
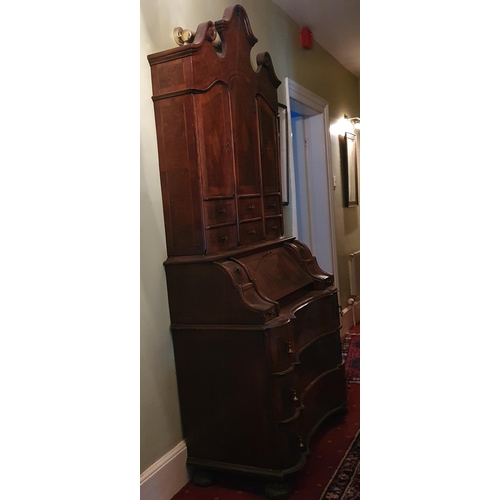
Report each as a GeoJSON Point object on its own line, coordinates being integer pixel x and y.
{"type": "Point", "coordinates": [325, 395]}
{"type": "Point", "coordinates": [290, 445]}
{"type": "Point", "coordinates": [219, 212]}
{"type": "Point", "coordinates": [316, 318]}
{"type": "Point", "coordinates": [285, 448]}
{"type": "Point", "coordinates": [319, 357]}
{"type": "Point", "coordinates": [285, 398]}
{"type": "Point", "coordinates": [273, 228]}
{"type": "Point", "coordinates": [251, 232]}
{"type": "Point", "coordinates": [281, 348]}
{"type": "Point", "coordinates": [221, 238]}
{"type": "Point", "coordinates": [272, 205]}
{"type": "Point", "coordinates": [249, 208]}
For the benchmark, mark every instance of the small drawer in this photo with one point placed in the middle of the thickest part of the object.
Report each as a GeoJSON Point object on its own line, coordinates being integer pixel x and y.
{"type": "Point", "coordinates": [273, 228]}
{"type": "Point", "coordinates": [221, 238]}
{"type": "Point", "coordinates": [219, 212]}
{"type": "Point", "coordinates": [238, 273]}
{"type": "Point", "coordinates": [251, 232]}
{"type": "Point", "coordinates": [249, 208]}
{"type": "Point", "coordinates": [272, 205]}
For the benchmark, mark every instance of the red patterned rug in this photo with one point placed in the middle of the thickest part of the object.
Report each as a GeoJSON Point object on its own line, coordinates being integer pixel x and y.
{"type": "Point", "coordinates": [351, 355]}
{"type": "Point", "coordinates": [345, 482]}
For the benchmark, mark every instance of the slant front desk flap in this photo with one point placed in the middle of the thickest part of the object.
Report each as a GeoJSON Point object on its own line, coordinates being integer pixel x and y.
{"type": "Point", "coordinates": [255, 321]}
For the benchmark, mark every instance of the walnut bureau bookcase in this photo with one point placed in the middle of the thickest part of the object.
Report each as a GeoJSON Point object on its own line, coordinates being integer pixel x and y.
{"type": "Point", "coordinates": [255, 321]}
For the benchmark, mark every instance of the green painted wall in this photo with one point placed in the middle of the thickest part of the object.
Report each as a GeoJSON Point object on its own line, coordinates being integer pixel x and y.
{"type": "Point", "coordinates": [315, 70]}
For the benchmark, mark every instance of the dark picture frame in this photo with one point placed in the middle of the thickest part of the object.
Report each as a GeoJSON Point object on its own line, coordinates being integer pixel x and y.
{"type": "Point", "coordinates": [349, 153]}
{"type": "Point", "coordinates": [283, 145]}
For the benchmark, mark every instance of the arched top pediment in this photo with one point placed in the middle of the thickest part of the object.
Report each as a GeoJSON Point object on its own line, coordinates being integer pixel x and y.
{"type": "Point", "coordinates": [225, 46]}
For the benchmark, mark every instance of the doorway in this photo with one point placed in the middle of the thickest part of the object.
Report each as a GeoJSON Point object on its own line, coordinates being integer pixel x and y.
{"type": "Point", "coordinates": [310, 214]}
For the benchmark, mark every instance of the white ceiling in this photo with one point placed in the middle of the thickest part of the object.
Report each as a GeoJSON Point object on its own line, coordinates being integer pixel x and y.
{"type": "Point", "coordinates": [334, 25]}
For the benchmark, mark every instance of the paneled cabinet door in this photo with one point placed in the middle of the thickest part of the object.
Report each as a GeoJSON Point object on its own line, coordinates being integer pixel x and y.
{"type": "Point", "coordinates": [268, 147]}
{"type": "Point", "coordinates": [215, 142]}
{"type": "Point", "coordinates": [245, 130]}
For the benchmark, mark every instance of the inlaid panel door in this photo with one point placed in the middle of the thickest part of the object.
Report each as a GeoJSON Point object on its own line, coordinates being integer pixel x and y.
{"type": "Point", "coordinates": [215, 141]}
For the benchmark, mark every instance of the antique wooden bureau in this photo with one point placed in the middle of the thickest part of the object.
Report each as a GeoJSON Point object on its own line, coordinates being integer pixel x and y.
{"type": "Point", "coordinates": [255, 321]}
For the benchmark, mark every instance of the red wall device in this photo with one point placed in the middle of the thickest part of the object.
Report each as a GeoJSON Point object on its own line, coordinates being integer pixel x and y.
{"type": "Point", "coordinates": [307, 38]}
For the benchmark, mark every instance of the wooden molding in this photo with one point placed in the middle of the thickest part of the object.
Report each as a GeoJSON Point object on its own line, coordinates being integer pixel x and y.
{"type": "Point", "coordinates": [306, 97]}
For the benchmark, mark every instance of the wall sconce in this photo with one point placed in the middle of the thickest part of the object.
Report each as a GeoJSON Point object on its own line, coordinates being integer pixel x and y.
{"type": "Point", "coordinates": [355, 122]}
{"type": "Point", "coordinates": [343, 125]}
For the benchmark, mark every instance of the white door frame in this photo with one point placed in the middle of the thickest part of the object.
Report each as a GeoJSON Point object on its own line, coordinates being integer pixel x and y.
{"type": "Point", "coordinates": [300, 94]}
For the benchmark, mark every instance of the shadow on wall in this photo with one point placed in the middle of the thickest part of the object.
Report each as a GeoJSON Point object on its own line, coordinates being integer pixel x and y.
{"type": "Point", "coordinates": [160, 413]}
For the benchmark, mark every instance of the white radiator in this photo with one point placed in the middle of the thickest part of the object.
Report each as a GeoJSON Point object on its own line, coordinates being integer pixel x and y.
{"type": "Point", "coordinates": [354, 281]}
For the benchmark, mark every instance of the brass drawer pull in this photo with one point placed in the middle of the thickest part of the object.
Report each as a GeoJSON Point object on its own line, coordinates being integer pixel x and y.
{"type": "Point", "coordinates": [223, 238]}
{"type": "Point", "coordinates": [222, 211]}
{"type": "Point", "coordinates": [274, 227]}
{"type": "Point", "coordinates": [251, 207]}
{"type": "Point", "coordinates": [301, 443]}
{"type": "Point", "coordinates": [273, 205]}
{"type": "Point", "coordinates": [288, 348]}
{"type": "Point", "coordinates": [253, 231]}
{"type": "Point", "coordinates": [294, 394]}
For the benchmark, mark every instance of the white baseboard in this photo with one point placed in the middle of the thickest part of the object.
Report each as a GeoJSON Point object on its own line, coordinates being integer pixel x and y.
{"type": "Point", "coordinates": [166, 476]}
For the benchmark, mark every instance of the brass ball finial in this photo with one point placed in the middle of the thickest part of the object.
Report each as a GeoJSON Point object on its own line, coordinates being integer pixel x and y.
{"type": "Point", "coordinates": [182, 36]}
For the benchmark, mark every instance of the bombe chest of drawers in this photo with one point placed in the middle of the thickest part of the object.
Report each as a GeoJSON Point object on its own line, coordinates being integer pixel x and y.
{"type": "Point", "coordinates": [255, 321]}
